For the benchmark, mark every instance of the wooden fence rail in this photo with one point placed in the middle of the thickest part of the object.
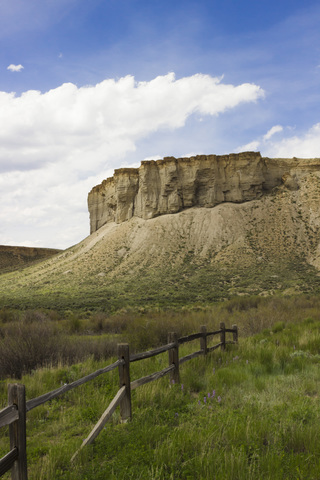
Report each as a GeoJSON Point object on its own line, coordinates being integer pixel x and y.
{"type": "Point", "coordinates": [35, 402]}
{"type": "Point", "coordinates": [14, 414]}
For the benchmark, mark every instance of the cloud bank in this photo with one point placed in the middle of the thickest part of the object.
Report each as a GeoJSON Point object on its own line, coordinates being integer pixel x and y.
{"type": "Point", "coordinates": [55, 146]}
{"type": "Point", "coordinates": [86, 127]}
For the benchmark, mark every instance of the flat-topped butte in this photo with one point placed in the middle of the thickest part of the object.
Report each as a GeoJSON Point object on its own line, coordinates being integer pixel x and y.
{"type": "Point", "coordinates": [173, 184]}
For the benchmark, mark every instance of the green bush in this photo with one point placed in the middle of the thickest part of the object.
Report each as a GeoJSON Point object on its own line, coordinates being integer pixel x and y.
{"type": "Point", "coordinates": [26, 346]}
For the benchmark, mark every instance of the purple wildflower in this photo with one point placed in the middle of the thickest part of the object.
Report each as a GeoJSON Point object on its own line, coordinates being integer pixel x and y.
{"type": "Point", "coordinates": [213, 393]}
{"type": "Point", "coordinates": [205, 399]}
{"type": "Point", "coordinates": [219, 399]}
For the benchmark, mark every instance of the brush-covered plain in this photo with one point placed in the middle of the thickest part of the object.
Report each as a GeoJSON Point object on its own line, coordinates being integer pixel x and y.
{"type": "Point", "coordinates": [250, 412]}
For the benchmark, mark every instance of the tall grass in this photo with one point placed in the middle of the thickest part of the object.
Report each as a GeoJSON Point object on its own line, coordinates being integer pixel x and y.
{"type": "Point", "coordinates": [31, 339]}
{"type": "Point", "coordinates": [251, 412]}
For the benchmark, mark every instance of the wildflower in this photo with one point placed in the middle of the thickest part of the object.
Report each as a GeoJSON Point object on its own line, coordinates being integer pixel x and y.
{"type": "Point", "coordinates": [199, 403]}
{"type": "Point", "coordinates": [181, 386]}
{"type": "Point", "coordinates": [219, 399]}
{"type": "Point", "coordinates": [172, 381]}
{"type": "Point", "coordinates": [205, 399]}
{"type": "Point", "coordinates": [209, 395]}
{"type": "Point", "coordinates": [176, 414]}
{"type": "Point", "coordinates": [213, 393]}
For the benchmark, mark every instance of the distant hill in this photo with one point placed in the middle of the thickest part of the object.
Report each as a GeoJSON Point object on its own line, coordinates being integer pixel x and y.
{"type": "Point", "coordinates": [13, 258]}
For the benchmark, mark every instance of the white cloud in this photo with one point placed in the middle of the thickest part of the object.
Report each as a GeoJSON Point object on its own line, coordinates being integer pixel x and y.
{"type": "Point", "coordinates": [305, 145]}
{"type": "Point", "coordinates": [55, 146]}
{"type": "Point", "coordinates": [15, 68]}
{"type": "Point", "coordinates": [249, 147]}
{"type": "Point", "coordinates": [87, 127]}
{"type": "Point", "coordinates": [272, 131]}
{"type": "Point", "coordinates": [257, 144]}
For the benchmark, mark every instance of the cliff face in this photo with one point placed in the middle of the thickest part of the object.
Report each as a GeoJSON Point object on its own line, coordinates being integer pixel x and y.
{"type": "Point", "coordinates": [171, 185]}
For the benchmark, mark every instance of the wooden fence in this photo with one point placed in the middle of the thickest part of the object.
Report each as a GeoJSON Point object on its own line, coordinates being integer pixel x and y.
{"type": "Point", "coordinates": [14, 414]}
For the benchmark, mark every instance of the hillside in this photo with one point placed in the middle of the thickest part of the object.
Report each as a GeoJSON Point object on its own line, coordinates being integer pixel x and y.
{"type": "Point", "coordinates": [196, 256]}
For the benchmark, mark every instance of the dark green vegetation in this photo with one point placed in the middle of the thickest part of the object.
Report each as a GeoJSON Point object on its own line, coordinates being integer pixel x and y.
{"type": "Point", "coordinates": [30, 339]}
{"type": "Point", "coordinates": [249, 413]}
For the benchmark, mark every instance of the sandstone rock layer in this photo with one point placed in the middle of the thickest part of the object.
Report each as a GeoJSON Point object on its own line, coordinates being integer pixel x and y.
{"type": "Point", "coordinates": [174, 184]}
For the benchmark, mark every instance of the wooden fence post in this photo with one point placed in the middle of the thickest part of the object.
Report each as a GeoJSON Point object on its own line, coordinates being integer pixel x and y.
{"type": "Point", "coordinates": [174, 357]}
{"type": "Point", "coordinates": [235, 333]}
{"type": "Point", "coordinates": [223, 335]}
{"type": "Point", "coordinates": [124, 380]}
{"type": "Point", "coordinates": [203, 339]}
{"type": "Point", "coordinates": [17, 431]}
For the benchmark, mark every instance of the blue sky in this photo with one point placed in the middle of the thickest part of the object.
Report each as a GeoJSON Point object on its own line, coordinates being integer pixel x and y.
{"type": "Point", "coordinates": [87, 86]}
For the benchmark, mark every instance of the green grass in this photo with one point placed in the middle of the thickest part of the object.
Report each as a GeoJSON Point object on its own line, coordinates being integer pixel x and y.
{"type": "Point", "coordinates": [195, 282]}
{"type": "Point", "coordinates": [30, 339]}
{"type": "Point", "coordinates": [261, 421]}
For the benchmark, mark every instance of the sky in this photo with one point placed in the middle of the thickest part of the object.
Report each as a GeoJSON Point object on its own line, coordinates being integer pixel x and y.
{"type": "Point", "coordinates": [87, 86]}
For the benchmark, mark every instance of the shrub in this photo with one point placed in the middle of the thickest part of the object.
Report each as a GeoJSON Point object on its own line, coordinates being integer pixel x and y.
{"type": "Point", "coordinates": [7, 315]}
{"type": "Point", "coordinates": [26, 346]}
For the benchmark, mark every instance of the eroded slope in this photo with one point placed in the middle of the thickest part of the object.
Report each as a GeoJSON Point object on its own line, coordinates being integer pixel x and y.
{"type": "Point", "coordinates": [199, 255]}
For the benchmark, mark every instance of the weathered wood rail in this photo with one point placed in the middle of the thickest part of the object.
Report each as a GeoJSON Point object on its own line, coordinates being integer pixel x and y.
{"type": "Point", "coordinates": [14, 414]}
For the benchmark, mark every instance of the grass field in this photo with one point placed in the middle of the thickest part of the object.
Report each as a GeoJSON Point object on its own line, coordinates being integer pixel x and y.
{"type": "Point", "coordinates": [187, 285]}
{"type": "Point", "coordinates": [251, 412]}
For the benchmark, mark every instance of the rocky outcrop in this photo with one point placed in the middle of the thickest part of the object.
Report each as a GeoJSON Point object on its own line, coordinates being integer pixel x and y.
{"type": "Point", "coordinates": [174, 184]}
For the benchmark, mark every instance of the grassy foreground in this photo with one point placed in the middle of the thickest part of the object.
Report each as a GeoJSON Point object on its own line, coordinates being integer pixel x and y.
{"type": "Point", "coordinates": [250, 413]}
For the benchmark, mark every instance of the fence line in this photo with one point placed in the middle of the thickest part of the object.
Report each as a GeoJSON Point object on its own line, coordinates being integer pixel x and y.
{"type": "Point", "coordinates": [14, 414]}
{"type": "Point", "coordinates": [35, 402]}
